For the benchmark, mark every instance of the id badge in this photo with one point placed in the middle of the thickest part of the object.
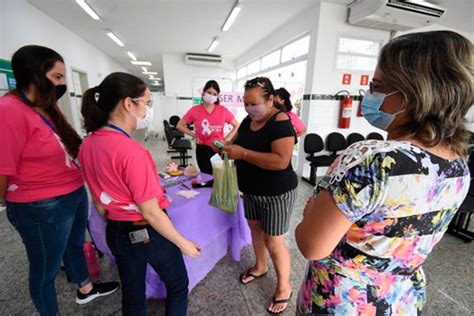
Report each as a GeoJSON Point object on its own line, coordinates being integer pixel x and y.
{"type": "Point", "coordinates": [139, 236]}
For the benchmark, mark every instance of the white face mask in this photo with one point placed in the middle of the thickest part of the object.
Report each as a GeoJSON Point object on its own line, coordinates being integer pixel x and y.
{"type": "Point", "coordinates": [145, 121]}
{"type": "Point", "coordinates": [209, 98]}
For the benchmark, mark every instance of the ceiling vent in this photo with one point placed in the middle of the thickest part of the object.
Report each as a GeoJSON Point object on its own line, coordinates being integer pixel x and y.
{"type": "Point", "coordinates": [394, 15]}
{"type": "Point", "coordinates": [203, 60]}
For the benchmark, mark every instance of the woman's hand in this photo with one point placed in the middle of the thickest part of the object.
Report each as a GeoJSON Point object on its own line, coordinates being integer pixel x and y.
{"type": "Point", "coordinates": [235, 152]}
{"type": "Point", "coordinates": [190, 249]}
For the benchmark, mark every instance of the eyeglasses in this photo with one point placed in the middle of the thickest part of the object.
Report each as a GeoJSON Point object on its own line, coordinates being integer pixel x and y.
{"type": "Point", "coordinates": [258, 82]}
{"type": "Point", "coordinates": [137, 101]}
{"type": "Point", "coordinates": [371, 90]}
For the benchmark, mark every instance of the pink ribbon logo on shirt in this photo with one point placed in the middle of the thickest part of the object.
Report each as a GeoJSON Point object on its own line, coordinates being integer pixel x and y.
{"type": "Point", "coordinates": [205, 127]}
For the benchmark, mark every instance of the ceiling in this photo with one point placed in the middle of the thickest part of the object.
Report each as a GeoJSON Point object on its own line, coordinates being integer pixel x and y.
{"type": "Point", "coordinates": [150, 28]}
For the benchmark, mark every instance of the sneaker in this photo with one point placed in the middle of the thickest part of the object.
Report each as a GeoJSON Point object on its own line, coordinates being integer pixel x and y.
{"type": "Point", "coordinates": [99, 289]}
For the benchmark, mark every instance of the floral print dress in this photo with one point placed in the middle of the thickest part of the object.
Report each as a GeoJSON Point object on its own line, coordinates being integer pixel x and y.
{"type": "Point", "coordinates": [401, 199]}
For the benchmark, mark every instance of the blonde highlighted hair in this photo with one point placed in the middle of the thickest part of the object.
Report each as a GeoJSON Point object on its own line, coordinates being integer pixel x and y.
{"type": "Point", "coordinates": [434, 72]}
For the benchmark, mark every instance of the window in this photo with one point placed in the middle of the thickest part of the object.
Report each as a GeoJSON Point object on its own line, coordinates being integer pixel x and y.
{"type": "Point", "coordinates": [242, 72]}
{"type": "Point", "coordinates": [356, 62]}
{"type": "Point", "coordinates": [359, 47]}
{"type": "Point", "coordinates": [357, 54]}
{"type": "Point", "coordinates": [271, 60]}
{"type": "Point", "coordinates": [295, 49]}
{"type": "Point", "coordinates": [253, 67]}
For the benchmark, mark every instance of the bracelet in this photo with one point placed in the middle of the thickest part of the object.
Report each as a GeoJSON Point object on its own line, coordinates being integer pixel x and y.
{"type": "Point", "coordinates": [245, 154]}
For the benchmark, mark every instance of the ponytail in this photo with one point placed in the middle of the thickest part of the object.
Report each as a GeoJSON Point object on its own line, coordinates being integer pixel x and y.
{"type": "Point", "coordinates": [99, 102]}
{"type": "Point", "coordinates": [94, 117]}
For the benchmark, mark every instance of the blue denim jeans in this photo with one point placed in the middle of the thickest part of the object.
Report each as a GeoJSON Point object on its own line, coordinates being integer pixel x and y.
{"type": "Point", "coordinates": [132, 259]}
{"type": "Point", "coordinates": [52, 230]}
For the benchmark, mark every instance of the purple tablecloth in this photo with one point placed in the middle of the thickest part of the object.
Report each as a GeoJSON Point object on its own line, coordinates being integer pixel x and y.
{"type": "Point", "coordinates": [214, 230]}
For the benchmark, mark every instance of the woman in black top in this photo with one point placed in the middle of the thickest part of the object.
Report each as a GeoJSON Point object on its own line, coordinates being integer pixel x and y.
{"type": "Point", "coordinates": [262, 152]}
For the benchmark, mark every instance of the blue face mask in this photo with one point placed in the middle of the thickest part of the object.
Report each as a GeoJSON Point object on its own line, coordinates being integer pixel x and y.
{"type": "Point", "coordinates": [371, 104]}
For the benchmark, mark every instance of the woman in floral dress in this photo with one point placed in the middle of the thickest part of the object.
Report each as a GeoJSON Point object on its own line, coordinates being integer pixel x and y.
{"type": "Point", "coordinates": [384, 205]}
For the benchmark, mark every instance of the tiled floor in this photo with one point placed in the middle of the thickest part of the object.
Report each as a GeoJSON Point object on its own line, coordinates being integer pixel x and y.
{"type": "Point", "coordinates": [449, 270]}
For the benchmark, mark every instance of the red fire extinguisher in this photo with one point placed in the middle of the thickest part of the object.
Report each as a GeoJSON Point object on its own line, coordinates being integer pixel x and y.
{"type": "Point", "coordinates": [361, 95]}
{"type": "Point", "coordinates": [345, 110]}
{"type": "Point", "coordinates": [91, 260]}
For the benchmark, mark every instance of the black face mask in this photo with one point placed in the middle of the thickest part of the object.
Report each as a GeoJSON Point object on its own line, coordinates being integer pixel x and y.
{"type": "Point", "coordinates": [60, 91]}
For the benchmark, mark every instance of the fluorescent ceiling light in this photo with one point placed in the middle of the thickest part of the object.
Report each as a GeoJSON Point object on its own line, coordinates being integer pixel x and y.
{"type": "Point", "coordinates": [114, 38]}
{"type": "Point", "coordinates": [151, 77]}
{"type": "Point", "coordinates": [213, 45]}
{"type": "Point", "coordinates": [140, 63]}
{"type": "Point", "coordinates": [232, 16]}
{"type": "Point", "coordinates": [88, 9]}
{"type": "Point", "coordinates": [144, 69]}
{"type": "Point", "coordinates": [150, 73]}
{"type": "Point", "coordinates": [132, 56]}
{"type": "Point", "coordinates": [156, 83]}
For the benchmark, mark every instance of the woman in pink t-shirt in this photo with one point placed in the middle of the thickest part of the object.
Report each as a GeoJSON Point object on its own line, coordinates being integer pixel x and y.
{"type": "Point", "coordinates": [209, 119]}
{"type": "Point", "coordinates": [283, 102]}
{"type": "Point", "coordinates": [41, 180]}
{"type": "Point", "coordinates": [125, 188]}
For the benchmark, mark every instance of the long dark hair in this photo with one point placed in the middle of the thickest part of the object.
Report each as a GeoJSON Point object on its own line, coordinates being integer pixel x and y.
{"type": "Point", "coordinates": [100, 101]}
{"type": "Point", "coordinates": [212, 84]}
{"type": "Point", "coordinates": [30, 65]}
{"type": "Point", "coordinates": [433, 71]}
{"type": "Point", "coordinates": [285, 96]}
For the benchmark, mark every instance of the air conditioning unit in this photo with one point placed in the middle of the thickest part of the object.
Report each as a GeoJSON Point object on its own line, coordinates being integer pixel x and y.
{"type": "Point", "coordinates": [203, 60]}
{"type": "Point", "coordinates": [394, 15]}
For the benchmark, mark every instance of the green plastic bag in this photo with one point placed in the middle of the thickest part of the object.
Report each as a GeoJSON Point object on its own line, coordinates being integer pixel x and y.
{"type": "Point", "coordinates": [225, 191]}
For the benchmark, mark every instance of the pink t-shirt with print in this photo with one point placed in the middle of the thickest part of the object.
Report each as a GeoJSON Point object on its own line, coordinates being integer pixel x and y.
{"type": "Point", "coordinates": [32, 155]}
{"type": "Point", "coordinates": [208, 127]}
{"type": "Point", "coordinates": [120, 173]}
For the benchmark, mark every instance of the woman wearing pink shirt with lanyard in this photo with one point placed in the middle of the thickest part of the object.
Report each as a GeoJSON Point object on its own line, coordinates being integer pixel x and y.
{"type": "Point", "coordinates": [209, 119]}
{"type": "Point", "coordinates": [43, 185]}
{"type": "Point", "coordinates": [125, 187]}
{"type": "Point", "coordinates": [283, 102]}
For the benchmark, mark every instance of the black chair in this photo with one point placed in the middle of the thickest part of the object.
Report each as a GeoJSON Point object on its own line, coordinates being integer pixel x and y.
{"type": "Point", "coordinates": [375, 136]}
{"type": "Point", "coordinates": [354, 138]}
{"type": "Point", "coordinates": [177, 145]}
{"type": "Point", "coordinates": [174, 132]}
{"type": "Point", "coordinates": [174, 119]}
{"type": "Point", "coordinates": [335, 142]}
{"type": "Point", "coordinates": [313, 143]}
{"type": "Point", "coordinates": [459, 226]}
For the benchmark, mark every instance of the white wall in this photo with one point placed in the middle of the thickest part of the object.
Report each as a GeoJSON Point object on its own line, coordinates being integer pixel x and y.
{"type": "Point", "coordinates": [332, 24]}
{"type": "Point", "coordinates": [294, 28]}
{"type": "Point", "coordinates": [2, 28]}
{"type": "Point", "coordinates": [178, 78]}
{"type": "Point", "coordinates": [439, 27]}
{"type": "Point", "coordinates": [23, 24]}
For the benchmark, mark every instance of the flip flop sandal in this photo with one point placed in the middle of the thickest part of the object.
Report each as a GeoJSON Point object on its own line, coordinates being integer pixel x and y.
{"type": "Point", "coordinates": [283, 301]}
{"type": "Point", "coordinates": [248, 274]}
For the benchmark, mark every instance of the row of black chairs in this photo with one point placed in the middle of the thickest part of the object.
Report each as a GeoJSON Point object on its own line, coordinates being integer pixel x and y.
{"type": "Point", "coordinates": [176, 141]}
{"type": "Point", "coordinates": [335, 142]}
